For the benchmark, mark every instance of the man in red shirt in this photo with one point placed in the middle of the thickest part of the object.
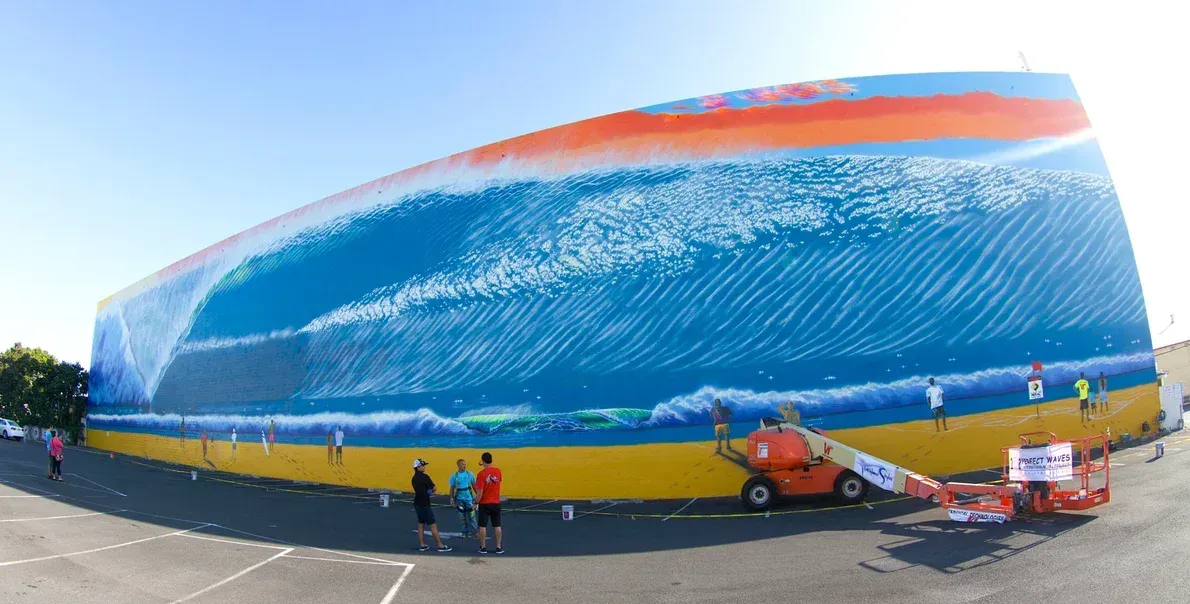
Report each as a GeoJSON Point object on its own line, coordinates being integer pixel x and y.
{"type": "Point", "coordinates": [487, 500]}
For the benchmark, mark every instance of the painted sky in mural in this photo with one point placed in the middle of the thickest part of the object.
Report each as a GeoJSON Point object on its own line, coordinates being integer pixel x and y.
{"type": "Point", "coordinates": [830, 243]}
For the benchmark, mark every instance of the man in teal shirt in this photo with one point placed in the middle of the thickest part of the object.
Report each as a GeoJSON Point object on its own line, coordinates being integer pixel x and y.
{"type": "Point", "coordinates": [462, 496]}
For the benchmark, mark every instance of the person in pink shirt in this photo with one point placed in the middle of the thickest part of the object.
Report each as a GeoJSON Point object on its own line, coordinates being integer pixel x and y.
{"type": "Point", "coordinates": [56, 457]}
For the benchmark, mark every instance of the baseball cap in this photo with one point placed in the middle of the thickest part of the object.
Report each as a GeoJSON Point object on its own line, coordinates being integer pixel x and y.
{"type": "Point", "coordinates": [417, 463]}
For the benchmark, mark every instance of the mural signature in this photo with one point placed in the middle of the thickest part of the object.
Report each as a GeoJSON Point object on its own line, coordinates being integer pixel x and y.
{"type": "Point", "coordinates": [879, 473]}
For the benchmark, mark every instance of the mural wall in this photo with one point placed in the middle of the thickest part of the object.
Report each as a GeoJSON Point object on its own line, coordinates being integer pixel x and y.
{"type": "Point", "coordinates": [582, 294]}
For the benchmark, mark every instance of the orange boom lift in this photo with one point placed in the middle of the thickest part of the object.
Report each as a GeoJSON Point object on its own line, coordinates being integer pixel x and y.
{"type": "Point", "coordinates": [793, 460]}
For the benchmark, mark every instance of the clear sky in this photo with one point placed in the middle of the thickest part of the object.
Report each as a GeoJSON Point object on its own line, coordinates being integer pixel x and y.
{"type": "Point", "coordinates": [133, 134]}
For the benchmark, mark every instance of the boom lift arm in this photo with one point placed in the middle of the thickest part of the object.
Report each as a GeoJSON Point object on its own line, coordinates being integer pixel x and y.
{"type": "Point", "coordinates": [778, 449]}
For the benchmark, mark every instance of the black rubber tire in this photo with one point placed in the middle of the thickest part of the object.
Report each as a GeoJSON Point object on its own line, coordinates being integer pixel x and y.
{"type": "Point", "coordinates": [759, 493]}
{"type": "Point", "coordinates": [850, 488]}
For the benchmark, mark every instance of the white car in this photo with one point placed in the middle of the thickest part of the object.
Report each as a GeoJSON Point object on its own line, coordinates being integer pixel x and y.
{"type": "Point", "coordinates": [10, 429]}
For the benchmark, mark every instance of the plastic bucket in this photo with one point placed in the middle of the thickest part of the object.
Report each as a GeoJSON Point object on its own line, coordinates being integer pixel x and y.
{"type": "Point", "coordinates": [1160, 449]}
{"type": "Point", "coordinates": [384, 500]}
{"type": "Point", "coordinates": [568, 512]}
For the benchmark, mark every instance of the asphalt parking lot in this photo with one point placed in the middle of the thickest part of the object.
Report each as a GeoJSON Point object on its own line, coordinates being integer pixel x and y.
{"type": "Point", "coordinates": [132, 530]}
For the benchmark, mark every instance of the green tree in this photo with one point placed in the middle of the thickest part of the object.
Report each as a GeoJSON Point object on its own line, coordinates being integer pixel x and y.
{"type": "Point", "coordinates": [38, 389]}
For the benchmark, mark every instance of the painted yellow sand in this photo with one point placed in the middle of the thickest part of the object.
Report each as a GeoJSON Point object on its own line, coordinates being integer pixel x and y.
{"type": "Point", "coordinates": [651, 471]}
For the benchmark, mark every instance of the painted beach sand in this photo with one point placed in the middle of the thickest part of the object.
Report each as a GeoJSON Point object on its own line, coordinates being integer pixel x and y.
{"type": "Point", "coordinates": [649, 471]}
{"type": "Point", "coordinates": [590, 289]}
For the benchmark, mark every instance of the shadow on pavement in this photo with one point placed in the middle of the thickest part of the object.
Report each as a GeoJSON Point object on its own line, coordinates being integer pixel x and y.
{"type": "Point", "coordinates": [344, 518]}
{"type": "Point", "coordinates": [952, 547]}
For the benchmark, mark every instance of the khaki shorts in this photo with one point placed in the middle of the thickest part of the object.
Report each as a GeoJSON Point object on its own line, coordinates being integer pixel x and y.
{"type": "Point", "coordinates": [722, 430]}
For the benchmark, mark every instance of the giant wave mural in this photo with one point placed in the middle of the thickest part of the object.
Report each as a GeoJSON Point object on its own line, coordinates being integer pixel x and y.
{"type": "Point", "coordinates": [582, 294]}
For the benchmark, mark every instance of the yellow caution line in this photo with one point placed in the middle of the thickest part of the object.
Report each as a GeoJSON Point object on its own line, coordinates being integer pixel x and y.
{"type": "Point", "coordinates": [866, 504]}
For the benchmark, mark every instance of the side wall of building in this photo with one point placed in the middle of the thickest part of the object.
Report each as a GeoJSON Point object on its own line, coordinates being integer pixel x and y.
{"type": "Point", "coordinates": [610, 306]}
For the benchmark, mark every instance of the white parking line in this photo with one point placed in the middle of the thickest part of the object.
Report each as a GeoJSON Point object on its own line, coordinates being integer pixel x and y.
{"type": "Point", "coordinates": [679, 510]}
{"type": "Point", "coordinates": [329, 551]}
{"type": "Point", "coordinates": [101, 549]}
{"type": "Point", "coordinates": [28, 496]}
{"type": "Point", "coordinates": [26, 487]}
{"type": "Point", "coordinates": [232, 578]}
{"type": "Point", "coordinates": [192, 536]}
{"type": "Point", "coordinates": [596, 510]}
{"type": "Point", "coordinates": [345, 561]}
{"type": "Point", "coordinates": [97, 484]}
{"type": "Point", "coordinates": [536, 505]}
{"type": "Point", "coordinates": [65, 483]}
{"type": "Point", "coordinates": [392, 593]}
{"type": "Point", "coordinates": [60, 517]}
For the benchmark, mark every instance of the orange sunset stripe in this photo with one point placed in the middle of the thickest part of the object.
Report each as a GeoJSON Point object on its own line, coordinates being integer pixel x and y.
{"type": "Point", "coordinates": [635, 136]}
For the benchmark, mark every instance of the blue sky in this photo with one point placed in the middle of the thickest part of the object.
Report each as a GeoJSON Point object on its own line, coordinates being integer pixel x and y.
{"type": "Point", "coordinates": [133, 134]}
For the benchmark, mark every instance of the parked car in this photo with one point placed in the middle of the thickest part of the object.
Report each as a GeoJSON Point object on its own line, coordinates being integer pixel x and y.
{"type": "Point", "coordinates": [10, 429]}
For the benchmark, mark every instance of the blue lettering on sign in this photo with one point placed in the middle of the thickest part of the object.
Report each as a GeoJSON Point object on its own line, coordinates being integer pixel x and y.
{"type": "Point", "coordinates": [877, 470]}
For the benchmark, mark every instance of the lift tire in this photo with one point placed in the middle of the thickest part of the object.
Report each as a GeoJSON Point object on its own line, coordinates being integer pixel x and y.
{"type": "Point", "coordinates": [850, 488]}
{"type": "Point", "coordinates": [758, 493]}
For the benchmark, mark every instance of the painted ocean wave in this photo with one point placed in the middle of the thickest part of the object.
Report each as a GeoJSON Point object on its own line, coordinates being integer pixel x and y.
{"type": "Point", "coordinates": [723, 272]}
{"type": "Point", "coordinates": [683, 411]}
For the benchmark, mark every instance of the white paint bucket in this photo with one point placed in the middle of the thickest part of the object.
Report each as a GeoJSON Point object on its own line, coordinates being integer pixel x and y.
{"type": "Point", "coordinates": [384, 500]}
{"type": "Point", "coordinates": [568, 512]}
{"type": "Point", "coordinates": [193, 475]}
{"type": "Point", "coordinates": [1160, 449]}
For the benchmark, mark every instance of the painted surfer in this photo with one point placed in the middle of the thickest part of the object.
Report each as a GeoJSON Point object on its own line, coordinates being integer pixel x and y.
{"type": "Point", "coordinates": [937, 408]}
{"type": "Point", "coordinates": [339, 445]}
{"type": "Point", "coordinates": [790, 414]}
{"type": "Point", "coordinates": [1101, 392]}
{"type": "Point", "coordinates": [721, 416]}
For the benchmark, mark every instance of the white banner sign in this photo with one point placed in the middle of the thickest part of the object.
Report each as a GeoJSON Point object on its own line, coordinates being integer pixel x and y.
{"type": "Point", "coordinates": [876, 471]}
{"type": "Point", "coordinates": [1041, 464]}
{"type": "Point", "coordinates": [972, 516]}
{"type": "Point", "coordinates": [1036, 390]}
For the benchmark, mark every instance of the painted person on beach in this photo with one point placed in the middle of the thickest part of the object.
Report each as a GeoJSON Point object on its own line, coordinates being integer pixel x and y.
{"type": "Point", "coordinates": [423, 487]}
{"type": "Point", "coordinates": [937, 407]}
{"type": "Point", "coordinates": [721, 416]}
{"type": "Point", "coordinates": [330, 447]}
{"type": "Point", "coordinates": [1102, 391]}
{"type": "Point", "coordinates": [339, 445]}
{"type": "Point", "coordinates": [272, 432]}
{"type": "Point", "coordinates": [462, 489]}
{"type": "Point", "coordinates": [204, 443]}
{"type": "Point", "coordinates": [790, 414]}
{"type": "Point", "coordinates": [233, 444]}
{"type": "Point", "coordinates": [182, 432]}
{"type": "Point", "coordinates": [1083, 389]}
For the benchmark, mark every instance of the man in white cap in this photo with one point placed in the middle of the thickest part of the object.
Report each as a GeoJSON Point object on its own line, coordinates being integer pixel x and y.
{"type": "Point", "coordinates": [423, 487]}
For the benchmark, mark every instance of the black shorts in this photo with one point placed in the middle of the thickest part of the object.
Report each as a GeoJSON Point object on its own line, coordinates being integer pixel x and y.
{"type": "Point", "coordinates": [425, 515]}
{"type": "Point", "coordinates": [489, 510]}
{"type": "Point", "coordinates": [939, 411]}
{"type": "Point", "coordinates": [1083, 403]}
{"type": "Point", "coordinates": [338, 448]}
